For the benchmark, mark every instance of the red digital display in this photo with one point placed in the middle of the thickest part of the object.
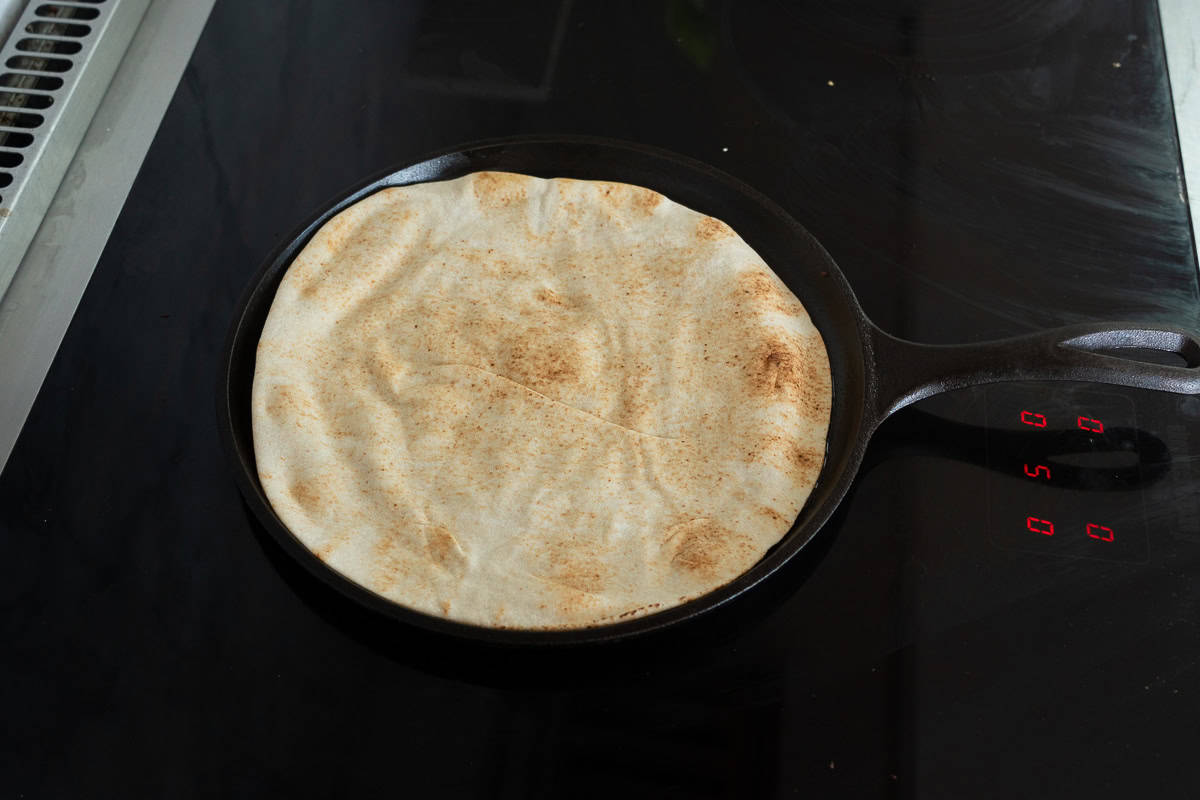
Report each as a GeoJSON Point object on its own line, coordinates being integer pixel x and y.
{"type": "Point", "coordinates": [1043, 526]}
{"type": "Point", "coordinates": [1046, 527]}
{"type": "Point", "coordinates": [1061, 453]}
{"type": "Point", "coordinates": [1030, 418]}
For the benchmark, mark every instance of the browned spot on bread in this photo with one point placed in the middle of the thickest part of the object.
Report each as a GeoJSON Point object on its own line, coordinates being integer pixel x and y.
{"type": "Point", "coordinates": [551, 297]}
{"type": "Point", "coordinates": [278, 403]}
{"type": "Point", "coordinates": [494, 189]}
{"type": "Point", "coordinates": [644, 200]}
{"type": "Point", "coordinates": [756, 287]}
{"type": "Point", "coordinates": [285, 403]}
{"type": "Point", "coordinates": [804, 463]}
{"type": "Point", "coordinates": [792, 368]}
{"type": "Point", "coordinates": [766, 511]}
{"type": "Point", "coordinates": [386, 568]}
{"type": "Point", "coordinates": [583, 574]}
{"type": "Point", "coordinates": [443, 549]}
{"type": "Point", "coordinates": [494, 262]}
{"type": "Point", "coordinates": [335, 233]}
{"type": "Point", "coordinates": [621, 198]}
{"type": "Point", "coordinates": [541, 362]}
{"type": "Point", "coordinates": [575, 570]}
{"type": "Point", "coordinates": [780, 367]}
{"type": "Point", "coordinates": [807, 461]}
{"type": "Point", "coordinates": [573, 211]}
{"type": "Point", "coordinates": [307, 495]}
{"type": "Point", "coordinates": [397, 556]}
{"type": "Point", "coordinates": [705, 548]}
{"type": "Point", "coordinates": [711, 229]}
{"type": "Point", "coordinates": [312, 279]}
{"type": "Point", "coordinates": [642, 610]}
{"type": "Point", "coordinates": [633, 612]}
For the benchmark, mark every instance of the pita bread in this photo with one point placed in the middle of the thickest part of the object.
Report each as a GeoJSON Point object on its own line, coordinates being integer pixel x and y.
{"type": "Point", "coordinates": [538, 404]}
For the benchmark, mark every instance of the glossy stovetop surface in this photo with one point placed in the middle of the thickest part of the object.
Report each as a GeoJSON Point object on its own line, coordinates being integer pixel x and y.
{"type": "Point", "coordinates": [978, 169]}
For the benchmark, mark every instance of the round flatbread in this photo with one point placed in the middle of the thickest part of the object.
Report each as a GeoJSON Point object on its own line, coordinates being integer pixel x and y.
{"type": "Point", "coordinates": [539, 404]}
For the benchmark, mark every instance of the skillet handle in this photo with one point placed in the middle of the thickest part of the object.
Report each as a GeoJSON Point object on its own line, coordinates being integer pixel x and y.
{"type": "Point", "coordinates": [904, 372]}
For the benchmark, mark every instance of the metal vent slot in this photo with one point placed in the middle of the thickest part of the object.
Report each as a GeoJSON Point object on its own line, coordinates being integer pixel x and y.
{"type": "Point", "coordinates": [67, 12]}
{"type": "Point", "coordinates": [25, 100]}
{"type": "Point", "coordinates": [5, 179]}
{"type": "Point", "coordinates": [9, 160]}
{"type": "Point", "coordinates": [58, 29]}
{"type": "Point", "coordinates": [16, 80]}
{"type": "Point", "coordinates": [15, 139]}
{"type": "Point", "coordinates": [38, 64]}
{"type": "Point", "coordinates": [49, 46]}
{"type": "Point", "coordinates": [18, 119]}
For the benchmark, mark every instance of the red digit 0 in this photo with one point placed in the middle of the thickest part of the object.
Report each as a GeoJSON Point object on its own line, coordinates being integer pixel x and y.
{"type": "Point", "coordinates": [1037, 471]}
{"type": "Point", "coordinates": [1100, 532]}
{"type": "Point", "coordinates": [1089, 424]}
{"type": "Point", "coordinates": [1043, 526]}
{"type": "Point", "coordinates": [1030, 418]}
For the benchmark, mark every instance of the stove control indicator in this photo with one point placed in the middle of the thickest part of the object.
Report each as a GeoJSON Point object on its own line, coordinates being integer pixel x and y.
{"type": "Point", "coordinates": [1067, 467]}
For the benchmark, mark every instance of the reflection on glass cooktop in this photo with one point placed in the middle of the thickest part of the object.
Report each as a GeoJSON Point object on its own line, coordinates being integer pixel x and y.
{"type": "Point", "coordinates": [979, 169]}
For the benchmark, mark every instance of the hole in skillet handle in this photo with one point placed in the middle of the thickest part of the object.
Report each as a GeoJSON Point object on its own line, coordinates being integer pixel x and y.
{"type": "Point", "coordinates": [1169, 348]}
{"type": "Point", "coordinates": [1147, 355]}
{"type": "Point", "coordinates": [795, 255]}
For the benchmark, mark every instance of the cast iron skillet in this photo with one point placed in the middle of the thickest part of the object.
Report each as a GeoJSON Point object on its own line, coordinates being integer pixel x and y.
{"type": "Point", "coordinates": [874, 374]}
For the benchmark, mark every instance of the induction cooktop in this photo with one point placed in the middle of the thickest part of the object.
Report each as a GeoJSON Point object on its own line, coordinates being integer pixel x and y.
{"type": "Point", "coordinates": [1004, 605]}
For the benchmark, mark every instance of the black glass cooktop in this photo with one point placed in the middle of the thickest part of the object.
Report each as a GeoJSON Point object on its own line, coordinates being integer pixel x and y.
{"type": "Point", "coordinates": [1004, 606]}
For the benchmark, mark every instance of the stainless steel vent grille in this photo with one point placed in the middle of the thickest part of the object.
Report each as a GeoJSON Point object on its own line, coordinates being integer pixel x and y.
{"type": "Point", "coordinates": [54, 69]}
